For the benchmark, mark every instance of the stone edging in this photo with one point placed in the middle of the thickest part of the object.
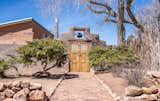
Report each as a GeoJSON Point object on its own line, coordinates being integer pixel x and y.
{"type": "Point", "coordinates": [107, 88]}
{"type": "Point", "coordinates": [57, 85]}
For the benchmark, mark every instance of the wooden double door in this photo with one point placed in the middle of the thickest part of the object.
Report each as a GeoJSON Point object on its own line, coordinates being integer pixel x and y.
{"type": "Point", "coordinates": [78, 53]}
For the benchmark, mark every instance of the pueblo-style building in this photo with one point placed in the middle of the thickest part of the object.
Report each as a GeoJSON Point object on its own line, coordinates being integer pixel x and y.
{"type": "Point", "coordinates": [79, 41]}
{"type": "Point", "coordinates": [82, 33]}
{"type": "Point", "coordinates": [20, 31]}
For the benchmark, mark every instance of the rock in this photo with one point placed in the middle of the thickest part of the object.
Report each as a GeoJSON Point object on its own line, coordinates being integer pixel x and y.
{"type": "Point", "coordinates": [158, 81]}
{"type": "Point", "coordinates": [26, 90]}
{"type": "Point", "coordinates": [149, 81]}
{"type": "Point", "coordinates": [156, 75]}
{"type": "Point", "coordinates": [150, 90]}
{"type": "Point", "coordinates": [158, 95]}
{"type": "Point", "coordinates": [35, 86]}
{"type": "Point", "coordinates": [37, 95]}
{"type": "Point", "coordinates": [133, 91]}
{"type": "Point", "coordinates": [16, 84]}
{"type": "Point", "coordinates": [8, 99]}
{"type": "Point", "coordinates": [146, 97]}
{"type": "Point", "coordinates": [133, 99]}
{"type": "Point", "coordinates": [1, 87]}
{"type": "Point", "coordinates": [20, 96]}
{"type": "Point", "coordinates": [8, 85]}
{"type": "Point", "coordinates": [2, 96]}
{"type": "Point", "coordinates": [25, 84]}
{"type": "Point", "coordinates": [16, 89]}
{"type": "Point", "coordinates": [9, 93]}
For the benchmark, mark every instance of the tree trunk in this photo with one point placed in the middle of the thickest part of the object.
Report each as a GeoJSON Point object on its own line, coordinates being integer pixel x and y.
{"type": "Point", "coordinates": [159, 18]}
{"type": "Point", "coordinates": [121, 29]}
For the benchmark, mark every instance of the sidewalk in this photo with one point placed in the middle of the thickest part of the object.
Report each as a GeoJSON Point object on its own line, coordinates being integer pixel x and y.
{"type": "Point", "coordinates": [83, 88]}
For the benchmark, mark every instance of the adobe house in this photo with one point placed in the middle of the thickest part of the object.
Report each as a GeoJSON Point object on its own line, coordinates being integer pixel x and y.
{"type": "Point", "coordinates": [86, 35]}
{"type": "Point", "coordinates": [79, 41]}
{"type": "Point", "coordinates": [20, 31]}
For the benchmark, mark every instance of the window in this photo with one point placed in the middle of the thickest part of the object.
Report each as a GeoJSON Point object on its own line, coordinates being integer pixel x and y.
{"type": "Point", "coordinates": [74, 48]}
{"type": "Point", "coordinates": [43, 35]}
{"type": "Point", "coordinates": [83, 47]}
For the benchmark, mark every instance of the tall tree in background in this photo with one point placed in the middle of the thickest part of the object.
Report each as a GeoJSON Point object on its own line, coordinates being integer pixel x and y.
{"type": "Point", "coordinates": [54, 8]}
{"type": "Point", "coordinates": [117, 16]}
{"type": "Point", "coordinates": [51, 8]}
{"type": "Point", "coordinates": [147, 45]}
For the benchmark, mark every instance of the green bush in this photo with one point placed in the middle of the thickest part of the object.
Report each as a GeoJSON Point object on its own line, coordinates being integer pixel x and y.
{"type": "Point", "coordinates": [3, 65]}
{"type": "Point", "coordinates": [104, 56]}
{"type": "Point", "coordinates": [47, 51]}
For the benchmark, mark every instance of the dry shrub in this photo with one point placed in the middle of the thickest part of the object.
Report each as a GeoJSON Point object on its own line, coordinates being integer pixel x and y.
{"type": "Point", "coordinates": [136, 77]}
{"type": "Point", "coordinates": [132, 72]}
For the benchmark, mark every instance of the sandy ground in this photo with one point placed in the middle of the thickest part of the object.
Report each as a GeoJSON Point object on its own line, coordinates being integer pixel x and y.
{"type": "Point", "coordinates": [117, 84]}
{"type": "Point", "coordinates": [75, 87]}
{"type": "Point", "coordinates": [48, 83]}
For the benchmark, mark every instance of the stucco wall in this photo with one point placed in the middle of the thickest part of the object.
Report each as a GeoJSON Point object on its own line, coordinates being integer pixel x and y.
{"type": "Point", "coordinates": [39, 30]}
{"type": "Point", "coordinates": [19, 33]}
{"type": "Point", "coordinates": [16, 34]}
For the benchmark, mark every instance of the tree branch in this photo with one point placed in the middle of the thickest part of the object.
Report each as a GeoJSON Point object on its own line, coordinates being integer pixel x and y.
{"type": "Point", "coordinates": [131, 15]}
{"type": "Point", "coordinates": [96, 11]}
{"type": "Point", "coordinates": [115, 21]}
{"type": "Point", "coordinates": [110, 20]}
{"type": "Point", "coordinates": [50, 67]}
{"type": "Point", "coordinates": [128, 21]}
{"type": "Point", "coordinates": [110, 10]}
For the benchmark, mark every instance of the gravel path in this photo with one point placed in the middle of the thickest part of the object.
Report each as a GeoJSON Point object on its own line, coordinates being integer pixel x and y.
{"type": "Point", "coordinates": [83, 88]}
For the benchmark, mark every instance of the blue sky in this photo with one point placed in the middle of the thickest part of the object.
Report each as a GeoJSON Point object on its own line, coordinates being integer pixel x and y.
{"type": "Point", "coordinates": [20, 9]}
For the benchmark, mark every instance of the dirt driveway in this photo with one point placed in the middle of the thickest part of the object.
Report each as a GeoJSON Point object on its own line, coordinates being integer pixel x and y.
{"type": "Point", "coordinates": [82, 88]}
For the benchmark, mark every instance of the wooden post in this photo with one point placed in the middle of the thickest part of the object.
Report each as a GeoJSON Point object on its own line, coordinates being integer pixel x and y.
{"type": "Point", "coordinates": [57, 27]}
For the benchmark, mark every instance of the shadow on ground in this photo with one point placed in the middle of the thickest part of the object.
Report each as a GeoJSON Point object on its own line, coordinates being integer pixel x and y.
{"type": "Point", "coordinates": [50, 76]}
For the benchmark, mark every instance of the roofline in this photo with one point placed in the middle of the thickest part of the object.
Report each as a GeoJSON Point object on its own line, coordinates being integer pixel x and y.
{"type": "Point", "coordinates": [42, 26]}
{"type": "Point", "coordinates": [15, 21]}
{"type": "Point", "coordinates": [21, 21]}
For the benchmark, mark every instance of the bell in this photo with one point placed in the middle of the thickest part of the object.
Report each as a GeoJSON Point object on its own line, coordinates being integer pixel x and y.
{"type": "Point", "coordinates": [79, 35]}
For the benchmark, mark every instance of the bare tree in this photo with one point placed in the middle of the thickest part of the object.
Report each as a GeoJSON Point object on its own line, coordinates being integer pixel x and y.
{"type": "Point", "coordinates": [121, 29]}
{"type": "Point", "coordinates": [116, 17]}
{"type": "Point", "coordinates": [51, 8]}
{"type": "Point", "coordinates": [54, 7]}
{"type": "Point", "coordinates": [150, 40]}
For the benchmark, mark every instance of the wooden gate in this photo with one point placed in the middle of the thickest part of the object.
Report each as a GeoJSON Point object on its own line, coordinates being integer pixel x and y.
{"type": "Point", "coordinates": [78, 53]}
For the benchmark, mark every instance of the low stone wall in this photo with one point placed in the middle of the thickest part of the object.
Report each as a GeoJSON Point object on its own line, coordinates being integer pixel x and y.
{"type": "Point", "coordinates": [22, 91]}
{"type": "Point", "coordinates": [134, 93]}
{"type": "Point", "coordinates": [151, 92]}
